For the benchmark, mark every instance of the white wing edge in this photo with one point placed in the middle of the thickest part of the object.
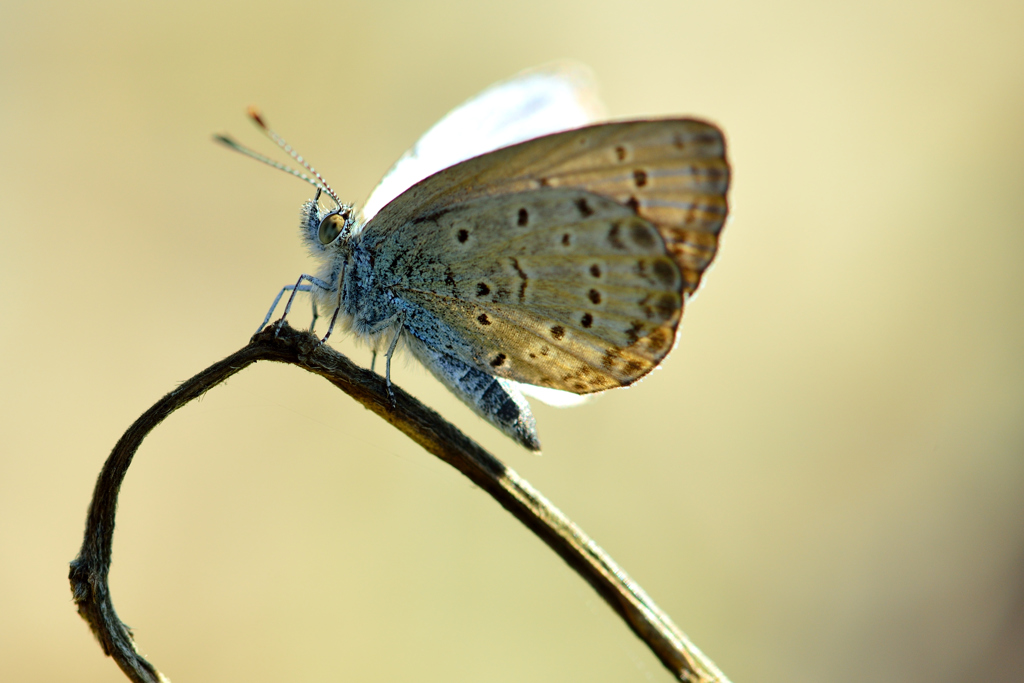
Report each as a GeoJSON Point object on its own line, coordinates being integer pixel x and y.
{"type": "Point", "coordinates": [539, 101]}
{"type": "Point", "coordinates": [553, 397]}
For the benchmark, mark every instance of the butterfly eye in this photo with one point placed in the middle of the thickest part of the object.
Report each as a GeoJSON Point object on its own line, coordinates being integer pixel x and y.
{"type": "Point", "coordinates": [331, 227]}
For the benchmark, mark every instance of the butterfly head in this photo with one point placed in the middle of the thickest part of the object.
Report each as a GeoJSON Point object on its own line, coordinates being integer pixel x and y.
{"type": "Point", "coordinates": [327, 233]}
{"type": "Point", "coordinates": [324, 233]}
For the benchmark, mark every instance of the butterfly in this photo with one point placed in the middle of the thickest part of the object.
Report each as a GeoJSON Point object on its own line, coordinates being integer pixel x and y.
{"type": "Point", "coordinates": [519, 248]}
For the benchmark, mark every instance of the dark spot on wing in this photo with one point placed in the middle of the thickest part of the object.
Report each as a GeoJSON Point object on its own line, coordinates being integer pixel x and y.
{"type": "Point", "coordinates": [594, 296]}
{"type": "Point", "coordinates": [498, 360]}
{"type": "Point", "coordinates": [659, 339]}
{"type": "Point", "coordinates": [587, 320]}
{"type": "Point", "coordinates": [620, 153]}
{"type": "Point", "coordinates": [666, 306]}
{"type": "Point", "coordinates": [584, 208]}
{"type": "Point", "coordinates": [641, 235]}
{"type": "Point", "coordinates": [557, 331]}
{"type": "Point", "coordinates": [664, 271]}
{"type": "Point", "coordinates": [565, 239]}
{"type": "Point", "coordinates": [595, 270]}
{"type": "Point", "coordinates": [522, 276]}
{"type": "Point", "coordinates": [633, 204]}
{"type": "Point", "coordinates": [483, 319]}
{"type": "Point", "coordinates": [482, 289]}
{"type": "Point", "coordinates": [633, 333]}
{"type": "Point", "coordinates": [640, 177]}
{"type": "Point", "coordinates": [463, 235]}
{"type": "Point", "coordinates": [524, 217]}
{"type": "Point", "coordinates": [634, 367]}
{"type": "Point", "coordinates": [544, 350]}
{"type": "Point", "coordinates": [614, 238]}
{"type": "Point", "coordinates": [609, 358]}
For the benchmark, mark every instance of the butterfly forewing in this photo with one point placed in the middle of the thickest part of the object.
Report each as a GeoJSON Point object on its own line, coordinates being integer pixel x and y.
{"type": "Point", "coordinates": [559, 288]}
{"type": "Point", "coordinates": [671, 172]}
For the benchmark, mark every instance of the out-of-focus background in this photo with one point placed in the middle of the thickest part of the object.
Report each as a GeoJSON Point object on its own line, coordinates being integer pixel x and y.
{"type": "Point", "coordinates": [825, 482]}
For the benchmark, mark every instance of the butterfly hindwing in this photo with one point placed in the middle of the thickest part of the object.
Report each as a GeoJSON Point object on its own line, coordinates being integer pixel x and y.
{"type": "Point", "coordinates": [559, 288]}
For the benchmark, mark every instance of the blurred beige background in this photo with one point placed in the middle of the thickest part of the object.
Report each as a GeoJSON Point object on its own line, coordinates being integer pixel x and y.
{"type": "Point", "coordinates": [823, 483]}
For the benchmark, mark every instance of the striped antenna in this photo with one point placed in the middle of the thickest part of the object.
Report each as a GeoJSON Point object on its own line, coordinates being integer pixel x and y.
{"type": "Point", "coordinates": [319, 181]}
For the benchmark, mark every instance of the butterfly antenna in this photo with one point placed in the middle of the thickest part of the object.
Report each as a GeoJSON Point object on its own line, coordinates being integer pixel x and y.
{"type": "Point", "coordinates": [318, 182]}
{"type": "Point", "coordinates": [254, 114]}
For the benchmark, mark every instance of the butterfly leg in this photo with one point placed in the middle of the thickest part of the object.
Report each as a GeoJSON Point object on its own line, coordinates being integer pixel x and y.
{"type": "Point", "coordinates": [337, 307]}
{"type": "Point", "coordinates": [316, 316]}
{"type": "Point", "coordinates": [396, 321]}
{"type": "Point", "coordinates": [297, 287]}
{"type": "Point", "coordinates": [391, 352]}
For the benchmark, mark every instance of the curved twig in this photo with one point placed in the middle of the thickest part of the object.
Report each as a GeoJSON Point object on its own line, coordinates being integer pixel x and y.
{"type": "Point", "coordinates": [89, 571]}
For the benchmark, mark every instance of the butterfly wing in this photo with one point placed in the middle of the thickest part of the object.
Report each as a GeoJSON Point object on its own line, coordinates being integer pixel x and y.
{"type": "Point", "coordinates": [557, 287]}
{"type": "Point", "coordinates": [503, 249]}
{"type": "Point", "coordinates": [528, 105]}
{"type": "Point", "coordinates": [671, 172]}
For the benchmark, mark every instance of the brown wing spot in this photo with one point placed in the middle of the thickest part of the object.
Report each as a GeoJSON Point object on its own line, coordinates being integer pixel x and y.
{"type": "Point", "coordinates": [523, 218]}
{"type": "Point", "coordinates": [584, 208]}
{"type": "Point", "coordinates": [482, 289]}
{"type": "Point", "coordinates": [558, 332]}
{"type": "Point", "coordinates": [595, 270]}
{"type": "Point", "coordinates": [594, 296]}
{"type": "Point", "coordinates": [544, 182]}
{"type": "Point", "coordinates": [498, 361]}
{"type": "Point", "coordinates": [566, 241]}
{"type": "Point", "coordinates": [609, 358]}
{"type": "Point", "coordinates": [666, 306]}
{"type": "Point", "coordinates": [640, 177]}
{"type": "Point", "coordinates": [580, 387]}
{"type": "Point", "coordinates": [678, 142]}
{"type": "Point", "coordinates": [544, 350]}
{"type": "Point", "coordinates": [659, 339]}
{"type": "Point", "coordinates": [463, 235]}
{"type": "Point", "coordinates": [522, 276]}
{"type": "Point", "coordinates": [633, 333]}
{"type": "Point", "coordinates": [483, 319]}
{"type": "Point", "coordinates": [664, 271]}
{"type": "Point", "coordinates": [620, 153]}
{"type": "Point", "coordinates": [641, 235]}
{"type": "Point", "coordinates": [633, 204]}
{"type": "Point", "coordinates": [587, 320]}
{"type": "Point", "coordinates": [614, 238]}
{"type": "Point", "coordinates": [634, 367]}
